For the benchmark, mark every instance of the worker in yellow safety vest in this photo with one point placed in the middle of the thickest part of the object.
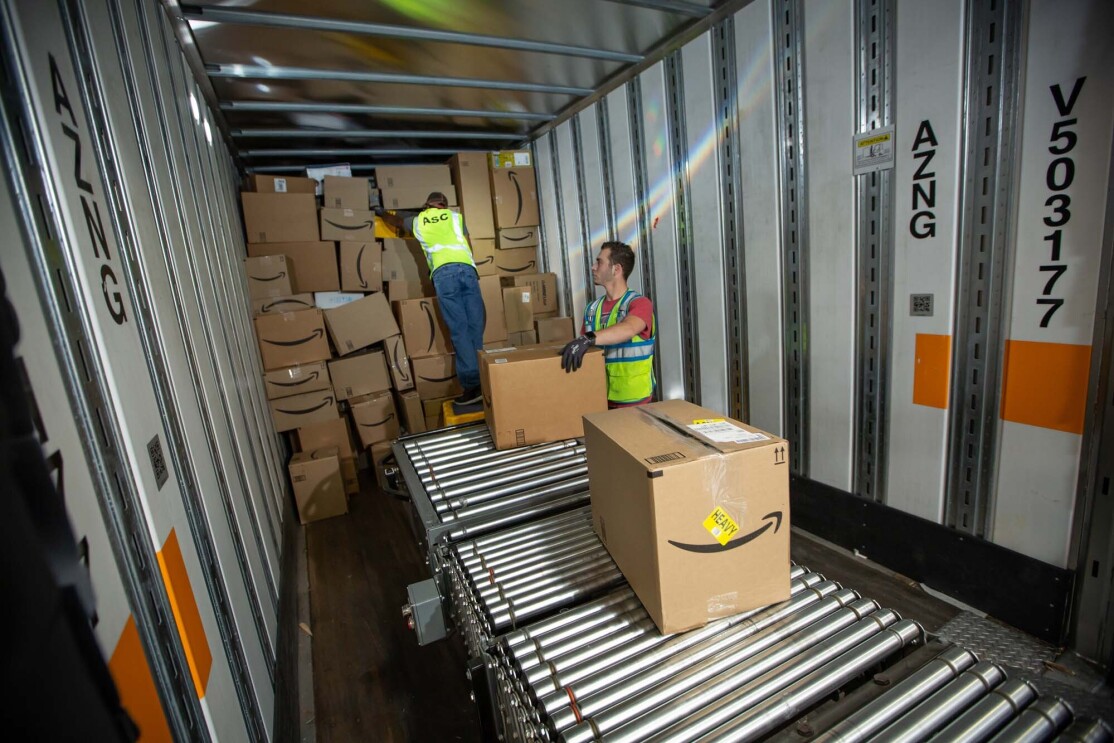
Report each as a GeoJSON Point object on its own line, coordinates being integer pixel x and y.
{"type": "Point", "coordinates": [444, 240]}
{"type": "Point", "coordinates": [621, 323]}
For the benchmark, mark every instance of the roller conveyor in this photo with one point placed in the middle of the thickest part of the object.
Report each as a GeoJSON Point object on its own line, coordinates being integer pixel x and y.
{"type": "Point", "coordinates": [562, 650]}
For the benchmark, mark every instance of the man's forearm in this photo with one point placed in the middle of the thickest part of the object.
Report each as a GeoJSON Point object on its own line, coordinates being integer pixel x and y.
{"type": "Point", "coordinates": [620, 333]}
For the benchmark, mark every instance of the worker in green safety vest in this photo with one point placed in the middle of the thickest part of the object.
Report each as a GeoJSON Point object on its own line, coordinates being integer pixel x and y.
{"type": "Point", "coordinates": [444, 240]}
{"type": "Point", "coordinates": [621, 323]}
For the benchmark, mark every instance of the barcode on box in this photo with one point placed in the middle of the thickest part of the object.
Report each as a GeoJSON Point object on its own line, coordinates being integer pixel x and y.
{"type": "Point", "coordinates": [662, 458]}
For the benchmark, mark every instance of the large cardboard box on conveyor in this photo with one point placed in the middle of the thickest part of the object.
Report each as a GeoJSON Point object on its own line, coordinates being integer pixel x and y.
{"type": "Point", "coordinates": [694, 509]}
{"type": "Point", "coordinates": [530, 399]}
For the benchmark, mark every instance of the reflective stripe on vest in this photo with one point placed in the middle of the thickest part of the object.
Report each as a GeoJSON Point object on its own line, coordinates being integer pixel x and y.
{"type": "Point", "coordinates": [630, 365]}
{"type": "Point", "coordinates": [441, 233]}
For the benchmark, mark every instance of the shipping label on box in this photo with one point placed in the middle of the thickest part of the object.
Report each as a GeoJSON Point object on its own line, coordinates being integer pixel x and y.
{"type": "Point", "coordinates": [435, 376]}
{"type": "Point", "coordinates": [318, 484]}
{"type": "Point", "coordinates": [346, 193]}
{"type": "Point", "coordinates": [554, 329]}
{"type": "Point", "coordinates": [516, 261]}
{"type": "Point", "coordinates": [291, 338]}
{"type": "Point", "coordinates": [332, 300]}
{"type": "Point", "coordinates": [414, 197]}
{"type": "Point", "coordinates": [347, 224]}
{"type": "Point", "coordinates": [295, 380]}
{"type": "Point", "coordinates": [398, 176]}
{"type": "Point", "coordinates": [511, 159]}
{"type": "Point", "coordinates": [312, 265]}
{"type": "Point", "coordinates": [281, 184]}
{"type": "Point", "coordinates": [404, 260]}
{"type": "Point", "coordinates": [530, 399]}
{"type": "Point", "coordinates": [318, 173]}
{"type": "Point", "coordinates": [361, 267]}
{"type": "Point", "coordinates": [273, 305]}
{"type": "Point", "coordinates": [334, 432]}
{"type": "Point", "coordinates": [375, 418]}
{"type": "Point", "coordinates": [280, 217]}
{"type": "Point", "coordinates": [423, 328]}
{"type": "Point", "coordinates": [483, 254]}
{"type": "Point", "coordinates": [411, 411]}
{"type": "Point", "coordinates": [694, 509]}
{"type": "Point", "coordinates": [296, 411]}
{"type": "Point", "coordinates": [516, 309]}
{"type": "Point", "coordinates": [268, 276]}
{"type": "Point", "coordinates": [398, 360]}
{"type": "Point", "coordinates": [359, 375]}
{"type": "Point", "coordinates": [473, 187]}
{"type": "Point", "coordinates": [517, 237]}
{"type": "Point", "coordinates": [543, 297]}
{"type": "Point", "coordinates": [358, 324]}
{"type": "Point", "coordinates": [514, 197]}
{"type": "Point", "coordinates": [491, 289]}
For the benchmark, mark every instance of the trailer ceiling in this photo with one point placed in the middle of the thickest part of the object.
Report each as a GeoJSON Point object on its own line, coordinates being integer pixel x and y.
{"type": "Point", "coordinates": [412, 81]}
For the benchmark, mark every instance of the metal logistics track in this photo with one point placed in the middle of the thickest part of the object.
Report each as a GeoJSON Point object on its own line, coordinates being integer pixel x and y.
{"type": "Point", "coordinates": [562, 649]}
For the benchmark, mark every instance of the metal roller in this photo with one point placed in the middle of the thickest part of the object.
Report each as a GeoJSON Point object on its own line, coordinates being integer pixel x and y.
{"type": "Point", "coordinates": [539, 506]}
{"type": "Point", "coordinates": [524, 533]}
{"type": "Point", "coordinates": [491, 488]}
{"type": "Point", "coordinates": [991, 713]}
{"type": "Point", "coordinates": [577, 485]}
{"type": "Point", "coordinates": [1040, 721]}
{"type": "Point", "coordinates": [485, 471]}
{"type": "Point", "coordinates": [537, 631]}
{"type": "Point", "coordinates": [1087, 731]}
{"type": "Point", "coordinates": [480, 462]}
{"type": "Point", "coordinates": [945, 705]}
{"type": "Point", "coordinates": [905, 695]}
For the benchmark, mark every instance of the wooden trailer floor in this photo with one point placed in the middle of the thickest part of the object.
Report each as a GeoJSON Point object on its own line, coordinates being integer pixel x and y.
{"type": "Point", "coordinates": [371, 680]}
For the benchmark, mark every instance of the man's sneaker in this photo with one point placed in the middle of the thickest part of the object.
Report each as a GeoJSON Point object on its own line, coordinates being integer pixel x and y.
{"type": "Point", "coordinates": [470, 396]}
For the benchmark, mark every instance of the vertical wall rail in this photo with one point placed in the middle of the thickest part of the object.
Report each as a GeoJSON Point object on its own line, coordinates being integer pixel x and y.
{"type": "Point", "coordinates": [788, 32]}
{"type": "Point", "coordinates": [874, 251]}
{"type": "Point", "coordinates": [562, 242]}
{"type": "Point", "coordinates": [543, 239]}
{"type": "Point", "coordinates": [582, 203]}
{"type": "Point", "coordinates": [993, 53]}
{"type": "Point", "coordinates": [603, 127]}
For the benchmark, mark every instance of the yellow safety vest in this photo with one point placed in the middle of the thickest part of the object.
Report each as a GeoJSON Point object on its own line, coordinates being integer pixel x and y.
{"type": "Point", "coordinates": [441, 233]}
{"type": "Point", "coordinates": [630, 365]}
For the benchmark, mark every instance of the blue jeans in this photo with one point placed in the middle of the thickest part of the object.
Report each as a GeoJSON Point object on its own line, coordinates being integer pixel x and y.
{"type": "Point", "coordinates": [462, 306]}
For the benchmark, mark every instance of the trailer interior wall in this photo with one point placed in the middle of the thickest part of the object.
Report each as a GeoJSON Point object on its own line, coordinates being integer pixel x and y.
{"type": "Point", "coordinates": [123, 262]}
{"type": "Point", "coordinates": [979, 255]}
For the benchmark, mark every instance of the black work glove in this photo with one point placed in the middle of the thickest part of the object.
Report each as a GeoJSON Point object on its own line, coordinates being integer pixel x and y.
{"type": "Point", "coordinates": [573, 354]}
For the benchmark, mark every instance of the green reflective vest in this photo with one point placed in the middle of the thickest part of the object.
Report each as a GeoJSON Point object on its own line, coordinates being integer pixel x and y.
{"type": "Point", "coordinates": [441, 233]}
{"type": "Point", "coordinates": [630, 365]}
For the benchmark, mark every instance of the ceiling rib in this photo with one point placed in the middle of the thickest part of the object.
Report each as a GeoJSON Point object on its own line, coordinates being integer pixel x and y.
{"type": "Point", "coordinates": [304, 22]}
{"type": "Point", "coordinates": [356, 167]}
{"type": "Point", "coordinates": [359, 108]}
{"type": "Point", "coordinates": [669, 6]}
{"type": "Point", "coordinates": [348, 152]}
{"type": "Point", "coordinates": [369, 134]}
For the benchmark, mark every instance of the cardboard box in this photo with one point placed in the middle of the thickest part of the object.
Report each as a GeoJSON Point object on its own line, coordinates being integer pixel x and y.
{"type": "Point", "coordinates": [694, 509]}
{"type": "Point", "coordinates": [398, 361]}
{"type": "Point", "coordinates": [280, 217]}
{"type": "Point", "coordinates": [516, 261]}
{"type": "Point", "coordinates": [358, 324]}
{"type": "Point", "coordinates": [346, 193]}
{"type": "Point", "coordinates": [377, 452]}
{"type": "Point", "coordinates": [410, 411]}
{"type": "Point", "coordinates": [318, 485]}
{"type": "Point", "coordinates": [517, 237]}
{"type": "Point", "coordinates": [334, 432]}
{"type": "Point", "coordinates": [491, 289]}
{"type": "Point", "coordinates": [296, 380]}
{"type": "Point", "coordinates": [398, 291]}
{"type": "Point", "coordinates": [473, 188]}
{"type": "Point", "coordinates": [414, 197]}
{"type": "Point", "coordinates": [312, 265]}
{"type": "Point", "coordinates": [318, 173]}
{"type": "Point", "coordinates": [524, 338]}
{"type": "Point", "coordinates": [359, 375]}
{"type": "Point", "coordinates": [483, 253]}
{"type": "Point", "coordinates": [516, 309]}
{"type": "Point", "coordinates": [296, 411]}
{"type": "Point", "coordinates": [398, 176]}
{"type": "Point", "coordinates": [435, 377]}
{"type": "Point", "coordinates": [268, 277]}
{"type": "Point", "coordinates": [432, 407]}
{"type": "Point", "coordinates": [375, 418]}
{"type": "Point", "coordinates": [514, 196]}
{"type": "Point", "coordinates": [350, 474]}
{"type": "Point", "coordinates": [554, 329]}
{"type": "Point", "coordinates": [332, 300]}
{"type": "Point", "coordinates": [530, 399]}
{"type": "Point", "coordinates": [291, 338]}
{"type": "Point", "coordinates": [280, 184]}
{"type": "Point", "coordinates": [347, 224]}
{"type": "Point", "coordinates": [404, 260]}
{"type": "Point", "coordinates": [273, 305]}
{"type": "Point", "coordinates": [423, 328]}
{"type": "Point", "coordinates": [361, 267]}
{"type": "Point", "coordinates": [543, 298]}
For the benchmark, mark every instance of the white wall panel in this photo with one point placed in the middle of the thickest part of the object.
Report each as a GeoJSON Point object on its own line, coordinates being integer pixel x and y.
{"type": "Point", "coordinates": [622, 181]}
{"type": "Point", "coordinates": [706, 208]}
{"type": "Point", "coordinates": [1068, 49]}
{"type": "Point", "coordinates": [829, 120]}
{"type": "Point", "coordinates": [576, 241]}
{"type": "Point", "coordinates": [761, 230]}
{"type": "Point", "coordinates": [663, 231]}
{"type": "Point", "coordinates": [929, 91]}
{"type": "Point", "coordinates": [593, 203]}
{"type": "Point", "coordinates": [550, 204]}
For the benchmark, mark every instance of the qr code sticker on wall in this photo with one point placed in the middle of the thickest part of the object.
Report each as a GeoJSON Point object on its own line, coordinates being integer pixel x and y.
{"type": "Point", "coordinates": [920, 305]}
{"type": "Point", "coordinates": [158, 462]}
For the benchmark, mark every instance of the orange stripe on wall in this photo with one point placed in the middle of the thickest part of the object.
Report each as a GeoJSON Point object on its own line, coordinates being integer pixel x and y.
{"type": "Point", "coordinates": [138, 695]}
{"type": "Point", "coordinates": [186, 614]}
{"type": "Point", "coordinates": [1045, 384]}
{"type": "Point", "coordinates": [932, 370]}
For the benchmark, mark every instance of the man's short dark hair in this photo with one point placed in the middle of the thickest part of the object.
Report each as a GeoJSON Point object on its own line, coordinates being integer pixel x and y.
{"type": "Point", "coordinates": [622, 255]}
{"type": "Point", "coordinates": [437, 199]}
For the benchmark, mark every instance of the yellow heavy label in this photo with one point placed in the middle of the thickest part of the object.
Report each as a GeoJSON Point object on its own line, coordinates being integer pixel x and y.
{"type": "Point", "coordinates": [720, 525]}
{"type": "Point", "coordinates": [699, 421]}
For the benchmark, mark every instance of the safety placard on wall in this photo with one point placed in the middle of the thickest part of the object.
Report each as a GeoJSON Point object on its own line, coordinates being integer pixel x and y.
{"type": "Point", "coordinates": [874, 150]}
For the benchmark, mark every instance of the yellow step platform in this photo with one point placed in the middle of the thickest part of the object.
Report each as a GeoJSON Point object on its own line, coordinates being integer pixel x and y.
{"type": "Point", "coordinates": [452, 418]}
